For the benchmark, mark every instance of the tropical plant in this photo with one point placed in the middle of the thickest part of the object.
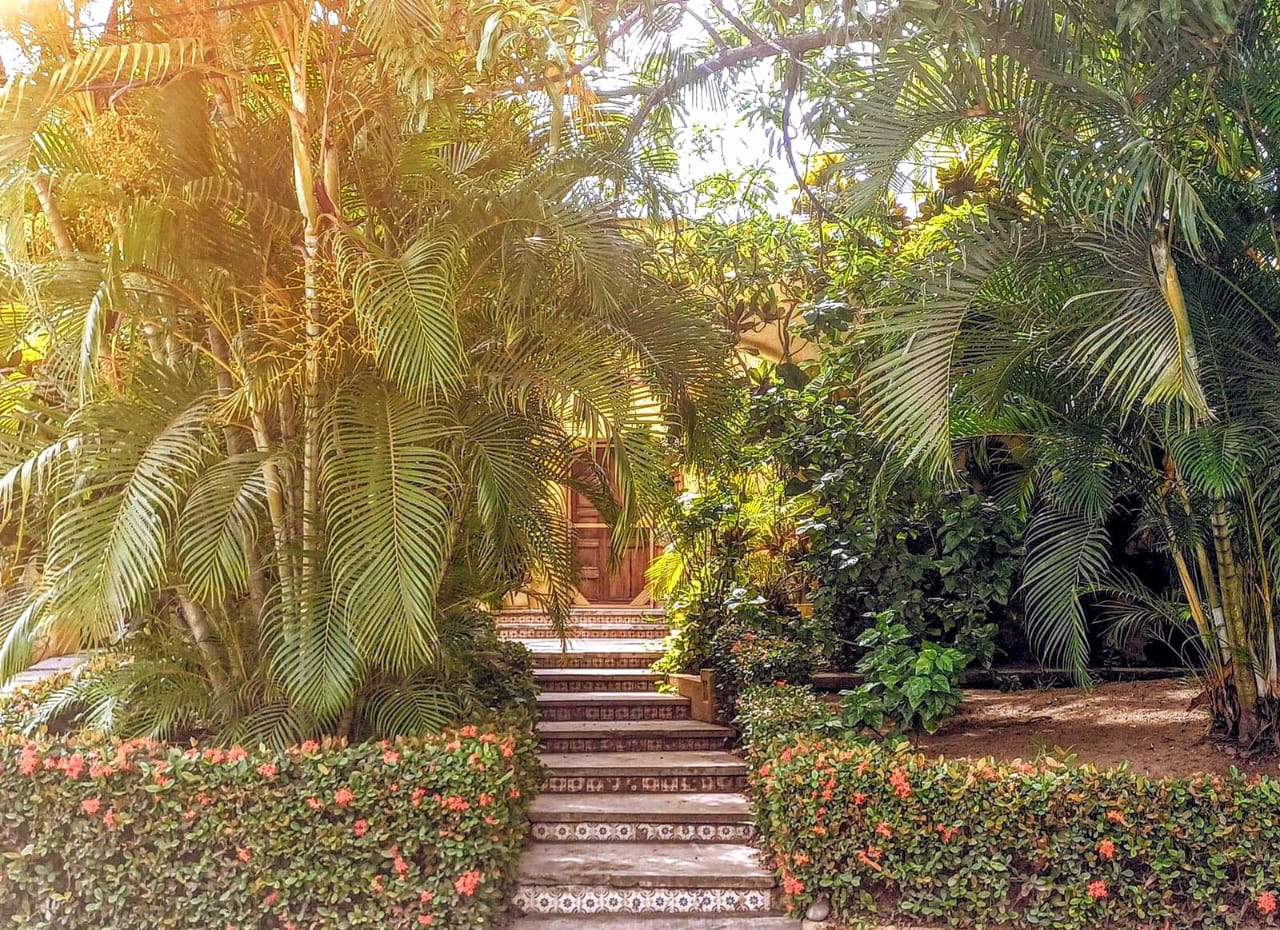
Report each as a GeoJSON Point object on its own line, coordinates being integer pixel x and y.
{"type": "Point", "coordinates": [328, 321]}
{"type": "Point", "coordinates": [1113, 337]}
{"type": "Point", "coordinates": [907, 686]}
{"type": "Point", "coordinates": [1102, 327]}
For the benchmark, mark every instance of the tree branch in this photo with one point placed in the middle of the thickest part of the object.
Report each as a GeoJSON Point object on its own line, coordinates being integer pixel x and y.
{"type": "Point", "coordinates": [791, 46]}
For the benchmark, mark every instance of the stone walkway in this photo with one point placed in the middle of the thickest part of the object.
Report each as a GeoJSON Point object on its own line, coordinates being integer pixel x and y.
{"type": "Point", "coordinates": [643, 824]}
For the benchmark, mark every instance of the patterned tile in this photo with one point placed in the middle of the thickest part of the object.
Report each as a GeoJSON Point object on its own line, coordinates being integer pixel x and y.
{"type": "Point", "coordinates": [597, 899]}
{"type": "Point", "coordinates": [635, 744]}
{"type": "Point", "coordinates": [627, 685]}
{"type": "Point", "coordinates": [607, 713]}
{"type": "Point", "coordinates": [634, 784]}
{"type": "Point", "coordinates": [643, 832]}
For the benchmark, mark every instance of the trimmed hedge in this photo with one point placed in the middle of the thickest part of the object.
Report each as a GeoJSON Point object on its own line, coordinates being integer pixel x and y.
{"type": "Point", "coordinates": [142, 835]}
{"type": "Point", "coordinates": [981, 844]}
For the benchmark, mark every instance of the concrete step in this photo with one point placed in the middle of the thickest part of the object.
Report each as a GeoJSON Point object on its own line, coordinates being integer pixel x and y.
{"type": "Point", "coordinates": [633, 736]}
{"type": "Point", "coordinates": [644, 772]}
{"type": "Point", "coordinates": [595, 679]}
{"type": "Point", "coordinates": [659, 922]}
{"type": "Point", "coordinates": [612, 705]}
{"type": "Point", "coordinates": [643, 878]}
{"type": "Point", "coordinates": [586, 630]}
{"type": "Point", "coordinates": [629, 652]}
{"type": "Point", "coordinates": [597, 614]}
{"type": "Point", "coordinates": [642, 818]}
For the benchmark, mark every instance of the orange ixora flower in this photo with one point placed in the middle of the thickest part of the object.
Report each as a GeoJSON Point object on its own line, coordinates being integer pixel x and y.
{"type": "Point", "coordinates": [360, 827]}
{"type": "Point", "coordinates": [466, 883]}
{"type": "Point", "coordinates": [267, 770]}
{"type": "Point", "coordinates": [343, 797]}
{"type": "Point", "coordinates": [1107, 849]}
{"type": "Point", "coordinates": [792, 885]}
{"type": "Point", "coordinates": [1098, 890]}
{"type": "Point", "coordinates": [244, 855]}
{"type": "Point", "coordinates": [390, 757]}
{"type": "Point", "coordinates": [1267, 902]}
{"type": "Point", "coordinates": [90, 805]}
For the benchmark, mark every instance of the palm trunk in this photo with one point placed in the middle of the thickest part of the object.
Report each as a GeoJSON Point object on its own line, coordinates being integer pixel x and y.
{"type": "Point", "coordinates": [304, 176]}
{"type": "Point", "coordinates": [1233, 609]}
{"type": "Point", "coordinates": [202, 633]}
{"type": "Point", "coordinates": [53, 216]}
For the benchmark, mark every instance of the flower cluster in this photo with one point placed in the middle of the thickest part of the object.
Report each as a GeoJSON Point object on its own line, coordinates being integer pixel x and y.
{"type": "Point", "coordinates": [1045, 845]}
{"type": "Point", "coordinates": [423, 833]}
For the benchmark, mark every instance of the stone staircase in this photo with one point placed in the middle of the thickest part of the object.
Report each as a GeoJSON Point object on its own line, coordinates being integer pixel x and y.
{"type": "Point", "coordinates": [643, 824]}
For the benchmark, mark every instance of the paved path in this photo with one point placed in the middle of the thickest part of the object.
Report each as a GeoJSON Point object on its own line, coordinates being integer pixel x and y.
{"type": "Point", "coordinates": [643, 825]}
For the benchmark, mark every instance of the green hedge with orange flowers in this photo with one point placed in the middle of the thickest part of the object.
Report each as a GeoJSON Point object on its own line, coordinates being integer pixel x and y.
{"type": "Point", "coordinates": [886, 832]}
{"type": "Point", "coordinates": [141, 835]}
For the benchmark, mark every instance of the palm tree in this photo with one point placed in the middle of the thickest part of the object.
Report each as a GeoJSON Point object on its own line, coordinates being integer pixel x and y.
{"type": "Point", "coordinates": [327, 325]}
{"type": "Point", "coordinates": [1114, 334]}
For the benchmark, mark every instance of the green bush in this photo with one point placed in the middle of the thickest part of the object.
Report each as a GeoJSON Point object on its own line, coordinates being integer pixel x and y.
{"type": "Point", "coordinates": [980, 844]}
{"type": "Point", "coordinates": [907, 687]}
{"type": "Point", "coordinates": [757, 645]}
{"type": "Point", "coordinates": [142, 835]}
{"type": "Point", "coordinates": [767, 713]}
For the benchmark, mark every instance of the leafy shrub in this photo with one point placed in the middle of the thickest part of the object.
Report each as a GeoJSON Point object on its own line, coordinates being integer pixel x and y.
{"type": "Point", "coordinates": [141, 835]}
{"type": "Point", "coordinates": [980, 844]}
{"type": "Point", "coordinates": [757, 645]}
{"type": "Point", "coordinates": [479, 675]}
{"type": "Point", "coordinates": [767, 713]}
{"type": "Point", "coordinates": [907, 687]}
{"type": "Point", "coordinates": [945, 562]}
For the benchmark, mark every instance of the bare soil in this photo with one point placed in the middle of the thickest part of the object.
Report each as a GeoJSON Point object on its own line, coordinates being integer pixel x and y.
{"type": "Point", "coordinates": [1156, 726]}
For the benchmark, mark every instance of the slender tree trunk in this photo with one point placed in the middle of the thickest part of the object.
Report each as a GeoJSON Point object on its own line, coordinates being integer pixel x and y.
{"type": "Point", "coordinates": [202, 632]}
{"type": "Point", "coordinates": [237, 442]}
{"type": "Point", "coordinates": [53, 216]}
{"type": "Point", "coordinates": [304, 176]}
{"type": "Point", "coordinates": [1233, 609]}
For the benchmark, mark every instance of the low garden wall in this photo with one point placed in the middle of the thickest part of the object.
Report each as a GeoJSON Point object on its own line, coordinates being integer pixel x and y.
{"type": "Point", "coordinates": [141, 835]}
{"type": "Point", "coordinates": [959, 843]}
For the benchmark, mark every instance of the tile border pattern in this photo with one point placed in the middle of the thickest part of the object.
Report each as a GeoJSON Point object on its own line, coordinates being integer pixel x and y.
{"type": "Point", "coordinates": [578, 832]}
{"type": "Point", "coordinates": [603, 899]}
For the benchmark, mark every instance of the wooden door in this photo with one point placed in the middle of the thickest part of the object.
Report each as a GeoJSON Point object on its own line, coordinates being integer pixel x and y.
{"type": "Point", "coordinates": [598, 583]}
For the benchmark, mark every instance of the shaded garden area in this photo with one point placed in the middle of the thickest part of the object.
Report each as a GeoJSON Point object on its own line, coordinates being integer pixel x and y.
{"type": "Point", "coordinates": [333, 330]}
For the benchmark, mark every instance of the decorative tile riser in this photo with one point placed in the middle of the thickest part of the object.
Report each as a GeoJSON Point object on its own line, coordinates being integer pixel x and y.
{"type": "Point", "coordinates": [611, 713]}
{"type": "Point", "coordinates": [655, 633]}
{"type": "Point", "coordinates": [635, 744]}
{"type": "Point", "coordinates": [644, 832]}
{"type": "Point", "coordinates": [640, 661]}
{"type": "Point", "coordinates": [583, 615]}
{"type": "Point", "coordinates": [573, 687]}
{"type": "Point", "coordinates": [603, 899]}
{"type": "Point", "coordinates": [644, 784]}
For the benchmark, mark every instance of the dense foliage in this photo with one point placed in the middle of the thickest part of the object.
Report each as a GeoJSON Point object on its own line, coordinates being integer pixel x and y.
{"type": "Point", "coordinates": [421, 833]}
{"type": "Point", "coordinates": [317, 321]}
{"type": "Point", "coordinates": [766, 713]}
{"type": "Point", "coordinates": [878, 537]}
{"type": "Point", "coordinates": [962, 843]}
{"type": "Point", "coordinates": [905, 686]}
{"type": "Point", "coordinates": [1100, 327]}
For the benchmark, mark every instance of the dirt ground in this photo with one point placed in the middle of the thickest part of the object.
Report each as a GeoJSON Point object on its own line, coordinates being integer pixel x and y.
{"type": "Point", "coordinates": [1154, 725]}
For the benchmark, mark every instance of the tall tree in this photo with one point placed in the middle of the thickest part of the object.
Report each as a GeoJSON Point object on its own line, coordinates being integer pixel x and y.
{"type": "Point", "coordinates": [329, 314]}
